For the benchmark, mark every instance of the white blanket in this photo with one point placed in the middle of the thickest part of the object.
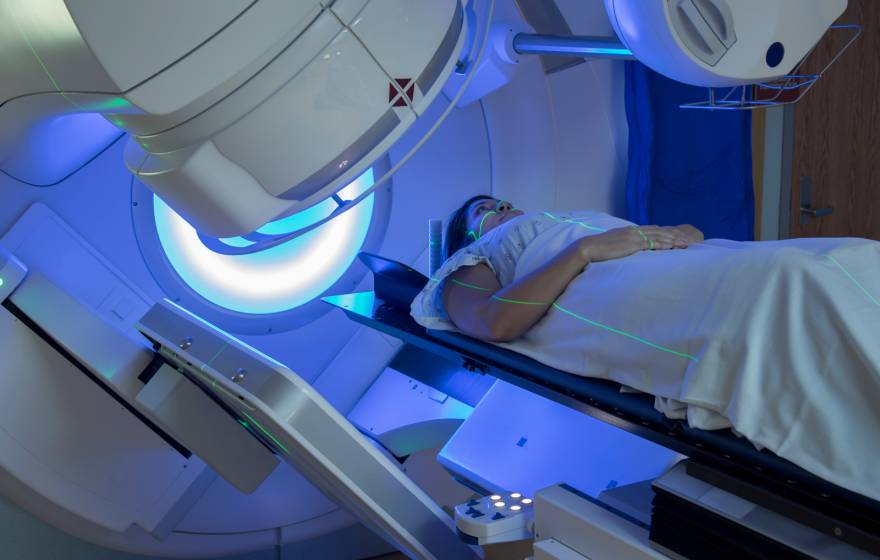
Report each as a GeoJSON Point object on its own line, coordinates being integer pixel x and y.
{"type": "Point", "coordinates": [779, 340]}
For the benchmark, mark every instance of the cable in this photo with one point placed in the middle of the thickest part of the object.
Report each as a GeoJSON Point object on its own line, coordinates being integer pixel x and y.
{"type": "Point", "coordinates": [490, 147]}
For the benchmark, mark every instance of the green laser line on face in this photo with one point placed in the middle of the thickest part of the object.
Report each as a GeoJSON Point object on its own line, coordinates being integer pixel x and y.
{"type": "Point", "coordinates": [486, 215]}
{"type": "Point", "coordinates": [477, 236]}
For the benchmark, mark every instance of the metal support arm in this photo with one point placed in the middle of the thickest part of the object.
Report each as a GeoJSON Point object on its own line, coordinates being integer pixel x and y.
{"type": "Point", "coordinates": [575, 46]}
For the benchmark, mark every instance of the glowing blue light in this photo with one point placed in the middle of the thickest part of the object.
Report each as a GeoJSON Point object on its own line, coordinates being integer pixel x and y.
{"type": "Point", "coordinates": [57, 146]}
{"type": "Point", "coordinates": [236, 241]}
{"type": "Point", "coordinates": [319, 211]}
{"type": "Point", "coordinates": [361, 303]}
{"type": "Point", "coordinates": [615, 52]}
{"type": "Point", "coordinates": [280, 278]}
{"type": "Point", "coordinates": [299, 220]}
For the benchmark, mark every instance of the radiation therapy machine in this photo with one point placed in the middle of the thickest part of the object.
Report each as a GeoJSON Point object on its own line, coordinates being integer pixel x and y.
{"type": "Point", "coordinates": [238, 113]}
{"type": "Point", "coordinates": [245, 112]}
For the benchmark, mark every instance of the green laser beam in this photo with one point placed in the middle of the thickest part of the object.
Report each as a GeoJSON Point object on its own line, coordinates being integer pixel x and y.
{"type": "Point", "coordinates": [499, 298]}
{"type": "Point", "coordinates": [486, 215]}
{"type": "Point", "coordinates": [584, 319]}
{"type": "Point", "coordinates": [854, 281]}
{"type": "Point", "coordinates": [505, 300]}
{"type": "Point", "coordinates": [43, 64]}
{"type": "Point", "coordinates": [466, 285]}
{"type": "Point", "coordinates": [646, 238]}
{"type": "Point", "coordinates": [626, 334]}
{"type": "Point", "coordinates": [266, 432]}
{"type": "Point", "coordinates": [580, 224]}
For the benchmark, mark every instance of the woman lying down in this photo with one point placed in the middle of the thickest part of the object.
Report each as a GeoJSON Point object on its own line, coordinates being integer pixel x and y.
{"type": "Point", "coordinates": [779, 340]}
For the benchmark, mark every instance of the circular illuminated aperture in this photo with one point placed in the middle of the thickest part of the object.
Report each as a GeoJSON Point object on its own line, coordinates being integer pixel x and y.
{"type": "Point", "coordinates": [500, 504]}
{"type": "Point", "coordinates": [280, 278]}
{"type": "Point", "coordinates": [516, 495]}
{"type": "Point", "coordinates": [494, 497]}
{"type": "Point", "coordinates": [515, 508]}
{"type": "Point", "coordinates": [526, 501]}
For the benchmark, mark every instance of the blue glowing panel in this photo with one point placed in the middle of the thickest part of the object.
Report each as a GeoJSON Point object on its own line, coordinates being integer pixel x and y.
{"type": "Point", "coordinates": [280, 278]}
{"type": "Point", "coordinates": [57, 146]}
{"type": "Point", "coordinates": [361, 303]}
{"type": "Point", "coordinates": [319, 211]}
{"type": "Point", "coordinates": [236, 241]}
{"type": "Point", "coordinates": [84, 135]}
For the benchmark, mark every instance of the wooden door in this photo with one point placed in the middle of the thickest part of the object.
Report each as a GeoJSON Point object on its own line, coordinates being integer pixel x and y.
{"type": "Point", "coordinates": [837, 135]}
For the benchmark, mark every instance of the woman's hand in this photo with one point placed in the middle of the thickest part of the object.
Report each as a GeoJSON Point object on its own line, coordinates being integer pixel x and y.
{"type": "Point", "coordinates": [622, 242]}
{"type": "Point", "coordinates": [689, 233]}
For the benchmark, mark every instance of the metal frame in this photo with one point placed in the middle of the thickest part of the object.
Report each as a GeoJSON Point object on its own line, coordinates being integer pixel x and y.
{"type": "Point", "coordinates": [575, 46]}
{"type": "Point", "coordinates": [738, 97]}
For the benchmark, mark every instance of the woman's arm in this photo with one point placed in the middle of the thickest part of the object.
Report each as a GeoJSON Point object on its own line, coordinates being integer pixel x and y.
{"type": "Point", "coordinates": [480, 307]}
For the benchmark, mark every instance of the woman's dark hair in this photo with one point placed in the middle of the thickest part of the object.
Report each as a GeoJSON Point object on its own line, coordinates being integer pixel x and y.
{"type": "Point", "coordinates": [456, 235]}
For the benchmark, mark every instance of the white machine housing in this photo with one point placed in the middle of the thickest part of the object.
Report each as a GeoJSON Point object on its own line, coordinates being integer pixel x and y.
{"type": "Point", "coordinates": [718, 43]}
{"type": "Point", "coordinates": [246, 112]}
{"type": "Point", "coordinates": [107, 458]}
{"type": "Point", "coordinates": [292, 419]}
{"type": "Point", "coordinates": [242, 112]}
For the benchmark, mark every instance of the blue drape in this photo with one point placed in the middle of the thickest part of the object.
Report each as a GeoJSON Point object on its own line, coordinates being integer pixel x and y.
{"type": "Point", "coordinates": [685, 165]}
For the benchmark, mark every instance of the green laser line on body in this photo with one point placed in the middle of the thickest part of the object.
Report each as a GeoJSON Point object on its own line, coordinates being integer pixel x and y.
{"type": "Point", "coordinates": [505, 300]}
{"type": "Point", "coordinates": [853, 279]}
{"type": "Point", "coordinates": [648, 240]}
{"type": "Point", "coordinates": [466, 285]}
{"type": "Point", "coordinates": [575, 222]}
{"type": "Point", "coordinates": [581, 318]}
{"type": "Point", "coordinates": [626, 334]}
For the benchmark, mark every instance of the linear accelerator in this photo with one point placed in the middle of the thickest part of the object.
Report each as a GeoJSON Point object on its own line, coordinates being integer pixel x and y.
{"type": "Point", "coordinates": [243, 113]}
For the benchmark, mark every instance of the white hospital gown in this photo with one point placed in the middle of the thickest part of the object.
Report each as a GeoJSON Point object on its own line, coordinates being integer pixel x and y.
{"type": "Point", "coordinates": [779, 340]}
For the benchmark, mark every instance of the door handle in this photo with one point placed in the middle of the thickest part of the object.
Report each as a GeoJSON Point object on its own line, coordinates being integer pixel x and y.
{"type": "Point", "coordinates": [806, 208]}
{"type": "Point", "coordinates": [817, 212]}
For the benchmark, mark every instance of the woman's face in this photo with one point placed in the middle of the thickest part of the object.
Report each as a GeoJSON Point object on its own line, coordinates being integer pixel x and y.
{"type": "Point", "coordinates": [485, 214]}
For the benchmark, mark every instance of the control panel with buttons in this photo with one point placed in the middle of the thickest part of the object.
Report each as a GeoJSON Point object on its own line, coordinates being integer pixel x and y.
{"type": "Point", "coordinates": [502, 517]}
